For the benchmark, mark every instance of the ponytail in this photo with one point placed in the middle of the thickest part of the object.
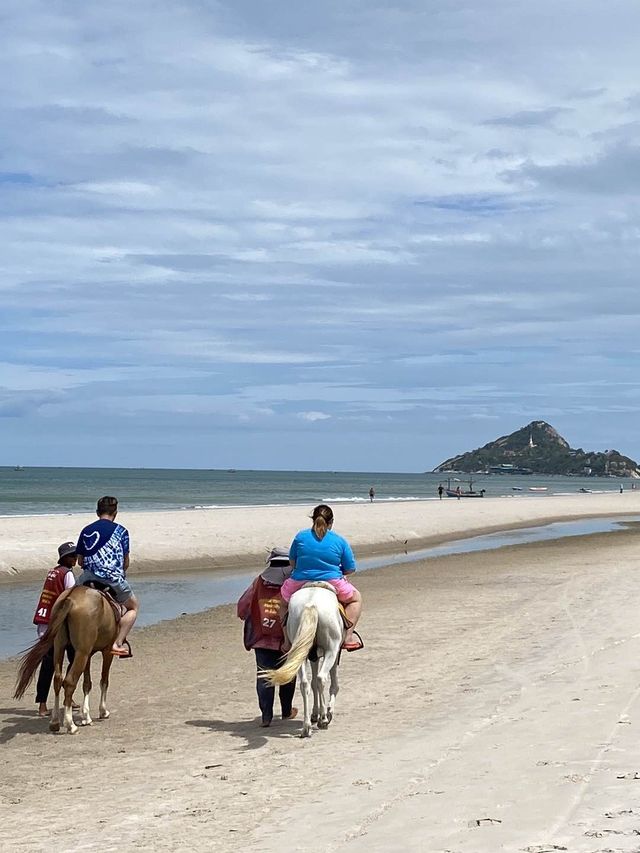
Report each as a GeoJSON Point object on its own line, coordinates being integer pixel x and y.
{"type": "Point", "coordinates": [322, 517]}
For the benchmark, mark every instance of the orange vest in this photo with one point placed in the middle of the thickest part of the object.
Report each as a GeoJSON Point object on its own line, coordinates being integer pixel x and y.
{"type": "Point", "coordinates": [53, 586]}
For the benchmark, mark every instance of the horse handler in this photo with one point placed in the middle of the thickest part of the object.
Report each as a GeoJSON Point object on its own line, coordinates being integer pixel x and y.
{"type": "Point", "coordinates": [259, 608]}
{"type": "Point", "coordinates": [58, 579]}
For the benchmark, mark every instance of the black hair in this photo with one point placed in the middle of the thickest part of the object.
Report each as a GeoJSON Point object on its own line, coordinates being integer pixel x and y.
{"type": "Point", "coordinates": [107, 506]}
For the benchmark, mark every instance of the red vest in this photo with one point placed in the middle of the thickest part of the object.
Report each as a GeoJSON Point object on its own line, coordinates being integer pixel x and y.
{"type": "Point", "coordinates": [53, 586]}
{"type": "Point", "coordinates": [262, 618]}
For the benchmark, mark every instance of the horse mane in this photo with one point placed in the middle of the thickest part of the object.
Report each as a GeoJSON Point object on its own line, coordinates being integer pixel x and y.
{"type": "Point", "coordinates": [32, 657]}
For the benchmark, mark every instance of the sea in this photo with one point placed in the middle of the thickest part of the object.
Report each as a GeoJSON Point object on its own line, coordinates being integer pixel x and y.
{"type": "Point", "coordinates": [36, 491]}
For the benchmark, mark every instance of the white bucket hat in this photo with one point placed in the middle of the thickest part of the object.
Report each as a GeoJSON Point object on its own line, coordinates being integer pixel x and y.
{"type": "Point", "coordinates": [278, 567]}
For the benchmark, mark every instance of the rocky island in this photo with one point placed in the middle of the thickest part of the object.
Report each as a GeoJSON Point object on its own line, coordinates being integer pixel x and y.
{"type": "Point", "coordinates": [540, 449]}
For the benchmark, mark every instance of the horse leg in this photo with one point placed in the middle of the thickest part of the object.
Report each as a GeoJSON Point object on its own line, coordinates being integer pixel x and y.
{"type": "Point", "coordinates": [58, 657]}
{"type": "Point", "coordinates": [324, 677]}
{"type": "Point", "coordinates": [70, 682]}
{"type": "Point", "coordinates": [107, 660]}
{"type": "Point", "coordinates": [333, 691]}
{"type": "Point", "coordinates": [86, 690]}
{"type": "Point", "coordinates": [305, 689]}
{"type": "Point", "coordinates": [314, 687]}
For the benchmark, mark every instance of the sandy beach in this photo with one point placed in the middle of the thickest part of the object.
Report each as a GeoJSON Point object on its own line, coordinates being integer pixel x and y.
{"type": "Point", "coordinates": [495, 708]}
{"type": "Point", "coordinates": [241, 536]}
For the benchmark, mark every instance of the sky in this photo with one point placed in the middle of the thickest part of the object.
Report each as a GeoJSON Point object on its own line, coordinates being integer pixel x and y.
{"type": "Point", "coordinates": [349, 235]}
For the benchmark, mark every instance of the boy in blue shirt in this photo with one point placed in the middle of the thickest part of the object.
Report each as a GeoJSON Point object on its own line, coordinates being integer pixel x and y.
{"type": "Point", "coordinates": [103, 556]}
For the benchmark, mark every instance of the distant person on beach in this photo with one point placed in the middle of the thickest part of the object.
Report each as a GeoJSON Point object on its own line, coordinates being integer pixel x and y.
{"type": "Point", "coordinates": [259, 608]}
{"type": "Point", "coordinates": [319, 554]}
{"type": "Point", "coordinates": [103, 556]}
{"type": "Point", "coordinates": [458, 493]}
{"type": "Point", "coordinates": [440, 491]}
{"type": "Point", "coordinates": [621, 488]}
{"type": "Point", "coordinates": [58, 579]}
{"type": "Point", "coordinates": [372, 494]}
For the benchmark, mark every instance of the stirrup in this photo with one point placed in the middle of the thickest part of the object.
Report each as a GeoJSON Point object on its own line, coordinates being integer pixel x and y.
{"type": "Point", "coordinates": [355, 648]}
{"type": "Point", "coordinates": [129, 653]}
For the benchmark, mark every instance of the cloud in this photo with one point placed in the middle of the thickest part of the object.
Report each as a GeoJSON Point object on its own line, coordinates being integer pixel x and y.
{"type": "Point", "coordinates": [313, 416]}
{"type": "Point", "coordinates": [529, 118]}
{"type": "Point", "coordinates": [614, 172]}
{"type": "Point", "coordinates": [305, 222]}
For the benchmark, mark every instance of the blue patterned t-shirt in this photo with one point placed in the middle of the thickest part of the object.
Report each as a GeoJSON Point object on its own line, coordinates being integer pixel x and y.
{"type": "Point", "coordinates": [103, 546]}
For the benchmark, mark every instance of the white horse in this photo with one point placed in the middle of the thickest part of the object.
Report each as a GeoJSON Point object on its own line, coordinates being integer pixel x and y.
{"type": "Point", "coordinates": [314, 620]}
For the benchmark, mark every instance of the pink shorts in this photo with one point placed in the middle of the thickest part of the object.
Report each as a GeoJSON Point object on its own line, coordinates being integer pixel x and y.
{"type": "Point", "coordinates": [342, 586]}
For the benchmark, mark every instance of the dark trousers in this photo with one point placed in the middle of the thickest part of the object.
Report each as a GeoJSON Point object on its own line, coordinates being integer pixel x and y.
{"type": "Point", "coordinates": [270, 659]}
{"type": "Point", "coordinates": [45, 676]}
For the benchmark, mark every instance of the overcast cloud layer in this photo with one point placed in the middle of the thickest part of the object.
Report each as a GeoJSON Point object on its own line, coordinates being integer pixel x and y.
{"type": "Point", "coordinates": [342, 235]}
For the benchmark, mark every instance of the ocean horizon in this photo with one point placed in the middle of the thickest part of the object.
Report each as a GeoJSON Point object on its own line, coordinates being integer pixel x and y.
{"type": "Point", "coordinates": [40, 490]}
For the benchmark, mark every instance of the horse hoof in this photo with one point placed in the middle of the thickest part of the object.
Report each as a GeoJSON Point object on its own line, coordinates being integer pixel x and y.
{"type": "Point", "coordinates": [104, 715]}
{"type": "Point", "coordinates": [329, 717]}
{"type": "Point", "coordinates": [54, 726]}
{"type": "Point", "coordinates": [306, 731]}
{"type": "Point", "coordinates": [323, 724]}
{"type": "Point", "coordinates": [86, 722]}
{"type": "Point", "coordinates": [73, 730]}
{"type": "Point", "coordinates": [314, 718]}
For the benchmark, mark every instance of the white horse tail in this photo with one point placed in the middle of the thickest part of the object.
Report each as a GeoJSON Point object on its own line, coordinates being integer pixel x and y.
{"type": "Point", "coordinates": [297, 654]}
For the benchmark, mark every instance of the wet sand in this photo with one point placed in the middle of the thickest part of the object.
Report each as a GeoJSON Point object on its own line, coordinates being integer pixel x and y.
{"type": "Point", "coordinates": [237, 537]}
{"type": "Point", "coordinates": [501, 716]}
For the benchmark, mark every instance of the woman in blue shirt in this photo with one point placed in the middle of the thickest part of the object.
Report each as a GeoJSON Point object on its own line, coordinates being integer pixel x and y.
{"type": "Point", "coordinates": [319, 554]}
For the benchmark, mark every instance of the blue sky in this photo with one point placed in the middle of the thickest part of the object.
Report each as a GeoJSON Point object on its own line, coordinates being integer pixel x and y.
{"type": "Point", "coordinates": [349, 236]}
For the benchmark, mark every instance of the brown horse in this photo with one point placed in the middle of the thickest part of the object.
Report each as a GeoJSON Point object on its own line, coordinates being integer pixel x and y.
{"type": "Point", "coordinates": [83, 618]}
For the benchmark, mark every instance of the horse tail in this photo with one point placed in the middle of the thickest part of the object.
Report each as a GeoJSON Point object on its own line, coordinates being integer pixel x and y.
{"type": "Point", "coordinates": [32, 657]}
{"type": "Point", "coordinates": [297, 654]}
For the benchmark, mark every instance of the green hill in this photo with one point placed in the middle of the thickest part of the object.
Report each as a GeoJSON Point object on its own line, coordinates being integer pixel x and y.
{"type": "Point", "coordinates": [539, 449]}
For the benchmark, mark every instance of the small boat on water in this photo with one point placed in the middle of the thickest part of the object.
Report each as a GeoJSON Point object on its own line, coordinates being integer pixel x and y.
{"type": "Point", "coordinates": [537, 488]}
{"type": "Point", "coordinates": [516, 488]}
{"type": "Point", "coordinates": [458, 493]}
{"type": "Point", "coordinates": [585, 491]}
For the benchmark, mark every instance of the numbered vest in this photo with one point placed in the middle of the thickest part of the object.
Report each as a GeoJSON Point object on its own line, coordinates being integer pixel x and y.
{"type": "Point", "coordinates": [265, 612]}
{"type": "Point", "coordinates": [53, 586]}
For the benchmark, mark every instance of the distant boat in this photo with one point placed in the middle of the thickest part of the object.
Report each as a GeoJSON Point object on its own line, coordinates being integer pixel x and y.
{"type": "Point", "coordinates": [517, 488]}
{"type": "Point", "coordinates": [537, 488]}
{"type": "Point", "coordinates": [470, 493]}
{"type": "Point", "coordinates": [18, 468]}
{"type": "Point", "coordinates": [585, 491]}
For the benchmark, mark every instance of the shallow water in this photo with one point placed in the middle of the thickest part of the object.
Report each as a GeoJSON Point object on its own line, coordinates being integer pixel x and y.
{"type": "Point", "coordinates": [167, 597]}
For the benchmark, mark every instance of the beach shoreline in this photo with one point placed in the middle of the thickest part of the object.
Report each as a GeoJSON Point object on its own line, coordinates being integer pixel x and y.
{"type": "Point", "coordinates": [232, 538]}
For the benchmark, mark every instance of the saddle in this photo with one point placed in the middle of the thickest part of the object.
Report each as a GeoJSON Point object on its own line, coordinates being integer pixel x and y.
{"type": "Point", "coordinates": [325, 585]}
{"type": "Point", "coordinates": [105, 592]}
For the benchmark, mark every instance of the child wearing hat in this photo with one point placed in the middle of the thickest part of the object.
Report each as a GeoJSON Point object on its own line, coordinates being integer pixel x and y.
{"type": "Point", "coordinates": [58, 579]}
